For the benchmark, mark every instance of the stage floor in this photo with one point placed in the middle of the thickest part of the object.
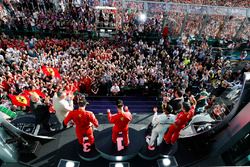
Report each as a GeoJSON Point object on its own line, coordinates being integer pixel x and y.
{"type": "Point", "coordinates": [65, 146]}
{"type": "Point", "coordinates": [50, 154]}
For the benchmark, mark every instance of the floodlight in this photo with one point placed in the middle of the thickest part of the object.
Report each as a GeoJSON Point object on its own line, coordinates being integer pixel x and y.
{"type": "Point", "coordinates": [142, 17]}
{"type": "Point", "coordinates": [119, 164]}
{"type": "Point", "coordinates": [167, 161]}
{"type": "Point", "coordinates": [118, 158]}
{"type": "Point", "coordinates": [68, 163]}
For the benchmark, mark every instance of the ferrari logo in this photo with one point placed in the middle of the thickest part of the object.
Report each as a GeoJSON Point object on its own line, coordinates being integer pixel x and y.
{"type": "Point", "coordinates": [51, 71]}
{"type": "Point", "coordinates": [21, 99]}
{"type": "Point", "coordinates": [80, 115]}
{"type": "Point", "coordinates": [122, 118]}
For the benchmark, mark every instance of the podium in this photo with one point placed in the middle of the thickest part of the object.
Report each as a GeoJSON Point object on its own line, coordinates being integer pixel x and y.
{"type": "Point", "coordinates": [145, 152]}
{"type": "Point", "coordinates": [86, 151]}
{"type": "Point", "coordinates": [157, 151]}
{"type": "Point", "coordinates": [117, 152]}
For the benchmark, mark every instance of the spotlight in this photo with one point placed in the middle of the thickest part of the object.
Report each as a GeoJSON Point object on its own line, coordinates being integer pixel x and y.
{"type": "Point", "coordinates": [142, 17]}
{"type": "Point", "coordinates": [119, 164]}
{"type": "Point", "coordinates": [118, 158]}
{"type": "Point", "coordinates": [168, 161]}
{"type": "Point", "coordinates": [68, 163]}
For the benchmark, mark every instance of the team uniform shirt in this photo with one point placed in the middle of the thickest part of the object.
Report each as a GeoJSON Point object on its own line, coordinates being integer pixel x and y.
{"type": "Point", "coordinates": [121, 121]}
{"type": "Point", "coordinates": [83, 120]}
{"type": "Point", "coordinates": [183, 118]}
{"type": "Point", "coordinates": [180, 122]}
{"type": "Point", "coordinates": [160, 125]}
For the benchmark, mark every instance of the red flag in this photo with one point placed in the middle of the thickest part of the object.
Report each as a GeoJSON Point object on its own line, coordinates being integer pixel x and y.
{"type": "Point", "coordinates": [37, 92]}
{"type": "Point", "coordinates": [20, 100]}
{"type": "Point", "coordinates": [51, 72]}
{"type": "Point", "coordinates": [165, 32]}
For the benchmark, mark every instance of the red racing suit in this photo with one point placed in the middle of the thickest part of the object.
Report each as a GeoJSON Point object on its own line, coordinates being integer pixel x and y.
{"type": "Point", "coordinates": [181, 120]}
{"type": "Point", "coordinates": [121, 121]}
{"type": "Point", "coordinates": [82, 119]}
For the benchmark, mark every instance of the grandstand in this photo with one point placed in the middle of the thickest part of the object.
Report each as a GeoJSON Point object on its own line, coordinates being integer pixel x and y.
{"type": "Point", "coordinates": [193, 19]}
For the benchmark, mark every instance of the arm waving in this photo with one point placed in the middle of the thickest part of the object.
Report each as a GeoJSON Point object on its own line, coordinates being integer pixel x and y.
{"type": "Point", "coordinates": [69, 106]}
{"type": "Point", "coordinates": [67, 118]}
{"type": "Point", "coordinates": [110, 116]}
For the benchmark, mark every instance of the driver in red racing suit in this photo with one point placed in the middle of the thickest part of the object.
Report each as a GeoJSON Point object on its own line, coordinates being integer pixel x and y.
{"type": "Point", "coordinates": [83, 120]}
{"type": "Point", "coordinates": [121, 121]}
{"type": "Point", "coordinates": [181, 120]}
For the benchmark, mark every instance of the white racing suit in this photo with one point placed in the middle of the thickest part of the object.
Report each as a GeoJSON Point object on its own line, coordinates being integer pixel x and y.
{"type": "Point", "coordinates": [160, 125]}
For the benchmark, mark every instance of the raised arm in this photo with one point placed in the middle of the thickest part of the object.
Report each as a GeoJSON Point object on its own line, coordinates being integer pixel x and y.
{"type": "Point", "coordinates": [110, 116]}
{"type": "Point", "coordinates": [69, 106]}
{"type": "Point", "coordinates": [67, 118]}
{"type": "Point", "coordinates": [93, 120]}
{"type": "Point", "coordinates": [155, 118]}
{"type": "Point", "coordinates": [193, 101]}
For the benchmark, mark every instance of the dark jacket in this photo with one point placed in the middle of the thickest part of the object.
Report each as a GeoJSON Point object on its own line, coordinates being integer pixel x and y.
{"type": "Point", "coordinates": [40, 110]}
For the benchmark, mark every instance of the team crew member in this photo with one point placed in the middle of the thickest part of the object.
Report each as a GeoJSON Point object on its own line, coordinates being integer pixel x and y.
{"type": "Point", "coordinates": [160, 125]}
{"type": "Point", "coordinates": [83, 120]}
{"type": "Point", "coordinates": [62, 104]}
{"type": "Point", "coordinates": [41, 111]}
{"type": "Point", "coordinates": [121, 121]}
{"type": "Point", "coordinates": [177, 101]}
{"type": "Point", "coordinates": [180, 122]}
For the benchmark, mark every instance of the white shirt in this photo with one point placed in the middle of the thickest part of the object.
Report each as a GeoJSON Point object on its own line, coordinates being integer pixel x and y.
{"type": "Point", "coordinates": [1, 57]}
{"type": "Point", "coordinates": [115, 89]}
{"type": "Point", "coordinates": [161, 41]}
{"type": "Point", "coordinates": [62, 107]}
{"type": "Point", "coordinates": [160, 125]}
{"type": "Point", "coordinates": [163, 121]}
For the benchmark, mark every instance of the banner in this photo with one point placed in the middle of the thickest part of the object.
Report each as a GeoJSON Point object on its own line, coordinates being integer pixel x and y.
{"type": "Point", "coordinates": [51, 72]}
{"type": "Point", "coordinates": [37, 92]}
{"type": "Point", "coordinates": [20, 100]}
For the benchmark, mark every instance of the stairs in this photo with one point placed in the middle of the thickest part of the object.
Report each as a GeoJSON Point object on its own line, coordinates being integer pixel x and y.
{"type": "Point", "coordinates": [141, 104]}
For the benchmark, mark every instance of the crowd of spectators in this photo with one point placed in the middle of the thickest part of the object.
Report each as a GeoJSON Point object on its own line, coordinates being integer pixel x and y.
{"type": "Point", "coordinates": [230, 3]}
{"type": "Point", "coordinates": [26, 16]}
{"type": "Point", "coordinates": [81, 16]}
{"type": "Point", "coordinates": [105, 68]}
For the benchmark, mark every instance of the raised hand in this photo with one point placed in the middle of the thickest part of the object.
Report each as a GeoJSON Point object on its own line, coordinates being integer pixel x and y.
{"type": "Point", "coordinates": [126, 108]}
{"type": "Point", "coordinates": [155, 109]}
